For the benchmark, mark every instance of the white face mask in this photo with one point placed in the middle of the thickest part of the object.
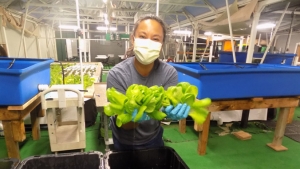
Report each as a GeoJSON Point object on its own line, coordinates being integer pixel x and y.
{"type": "Point", "coordinates": [146, 50]}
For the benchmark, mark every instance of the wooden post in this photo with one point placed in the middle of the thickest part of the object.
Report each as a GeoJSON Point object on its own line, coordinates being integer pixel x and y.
{"type": "Point", "coordinates": [11, 145]}
{"type": "Point", "coordinates": [279, 130]}
{"type": "Point", "coordinates": [35, 123]}
{"type": "Point", "coordinates": [291, 115]}
{"type": "Point", "coordinates": [18, 130]}
{"type": "Point", "coordinates": [203, 136]}
{"type": "Point", "coordinates": [182, 126]}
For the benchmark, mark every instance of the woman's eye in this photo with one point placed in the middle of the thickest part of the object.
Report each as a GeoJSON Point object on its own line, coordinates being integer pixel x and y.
{"type": "Point", "coordinates": [156, 40]}
{"type": "Point", "coordinates": [142, 37]}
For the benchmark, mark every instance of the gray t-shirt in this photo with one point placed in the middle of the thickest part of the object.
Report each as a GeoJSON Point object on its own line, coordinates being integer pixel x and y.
{"type": "Point", "coordinates": [124, 74]}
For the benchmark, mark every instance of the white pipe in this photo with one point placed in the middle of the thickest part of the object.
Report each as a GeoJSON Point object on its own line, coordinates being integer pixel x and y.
{"type": "Point", "coordinates": [80, 55]}
{"type": "Point", "coordinates": [258, 42]}
{"type": "Point", "coordinates": [88, 36]}
{"type": "Point", "coordinates": [230, 29]}
{"type": "Point", "coordinates": [60, 33]}
{"type": "Point", "coordinates": [25, 51]}
{"type": "Point", "coordinates": [211, 51]}
{"type": "Point", "coordinates": [157, 8]}
{"type": "Point", "coordinates": [252, 40]}
{"type": "Point", "coordinates": [54, 48]}
{"type": "Point", "coordinates": [277, 26]}
{"type": "Point", "coordinates": [24, 26]}
{"type": "Point", "coordinates": [83, 26]}
{"type": "Point", "coordinates": [271, 34]}
{"type": "Point", "coordinates": [38, 46]}
{"type": "Point", "coordinates": [241, 44]}
{"type": "Point", "coordinates": [195, 43]}
{"type": "Point", "coordinates": [47, 42]}
{"type": "Point", "coordinates": [184, 54]}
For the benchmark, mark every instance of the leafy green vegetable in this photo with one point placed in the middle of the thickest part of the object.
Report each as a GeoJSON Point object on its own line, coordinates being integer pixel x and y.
{"type": "Point", "coordinates": [184, 92]}
{"type": "Point", "coordinates": [151, 100]}
{"type": "Point", "coordinates": [57, 77]}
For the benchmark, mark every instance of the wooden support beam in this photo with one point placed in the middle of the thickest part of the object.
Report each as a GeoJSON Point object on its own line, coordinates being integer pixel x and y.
{"type": "Point", "coordinates": [279, 130]}
{"type": "Point", "coordinates": [182, 126]}
{"type": "Point", "coordinates": [12, 146]}
{"type": "Point", "coordinates": [291, 115]}
{"type": "Point", "coordinates": [203, 136]}
{"type": "Point", "coordinates": [18, 129]}
{"type": "Point", "coordinates": [35, 123]}
{"type": "Point", "coordinates": [250, 104]}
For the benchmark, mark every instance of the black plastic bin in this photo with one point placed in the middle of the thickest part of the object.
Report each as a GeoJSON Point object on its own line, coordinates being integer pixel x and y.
{"type": "Point", "coordinates": [158, 158]}
{"type": "Point", "coordinates": [8, 163]}
{"type": "Point", "coordinates": [63, 161]}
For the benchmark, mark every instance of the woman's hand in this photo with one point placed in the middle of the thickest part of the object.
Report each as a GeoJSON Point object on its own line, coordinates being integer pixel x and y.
{"type": "Point", "coordinates": [181, 111]}
{"type": "Point", "coordinates": [132, 125]}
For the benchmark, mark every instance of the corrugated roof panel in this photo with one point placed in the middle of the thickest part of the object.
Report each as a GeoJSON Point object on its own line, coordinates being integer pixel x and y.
{"type": "Point", "coordinates": [195, 11]}
{"type": "Point", "coordinates": [220, 3]}
{"type": "Point", "coordinates": [181, 18]}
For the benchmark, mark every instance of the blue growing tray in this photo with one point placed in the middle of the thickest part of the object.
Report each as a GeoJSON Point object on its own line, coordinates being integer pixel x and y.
{"type": "Point", "coordinates": [229, 80]}
{"type": "Point", "coordinates": [20, 83]}
{"type": "Point", "coordinates": [271, 58]}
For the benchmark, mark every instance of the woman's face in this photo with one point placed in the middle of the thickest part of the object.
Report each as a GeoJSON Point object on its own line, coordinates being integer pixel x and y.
{"type": "Point", "coordinates": [150, 29]}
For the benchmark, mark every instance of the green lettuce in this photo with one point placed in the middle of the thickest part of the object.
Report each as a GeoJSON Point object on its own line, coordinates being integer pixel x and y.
{"type": "Point", "coordinates": [151, 100]}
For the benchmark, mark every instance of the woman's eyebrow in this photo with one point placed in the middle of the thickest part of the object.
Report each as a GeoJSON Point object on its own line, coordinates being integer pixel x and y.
{"type": "Point", "coordinates": [157, 35]}
{"type": "Point", "coordinates": [142, 32]}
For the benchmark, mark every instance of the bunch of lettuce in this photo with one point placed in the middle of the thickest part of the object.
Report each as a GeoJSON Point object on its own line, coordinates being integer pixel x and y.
{"type": "Point", "coordinates": [151, 100]}
{"type": "Point", "coordinates": [184, 92]}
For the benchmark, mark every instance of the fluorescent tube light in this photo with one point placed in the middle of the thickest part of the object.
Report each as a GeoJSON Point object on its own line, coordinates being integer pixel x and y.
{"type": "Point", "coordinates": [102, 28]}
{"type": "Point", "coordinates": [68, 27]}
{"type": "Point", "coordinates": [266, 26]}
{"type": "Point", "coordinates": [182, 32]}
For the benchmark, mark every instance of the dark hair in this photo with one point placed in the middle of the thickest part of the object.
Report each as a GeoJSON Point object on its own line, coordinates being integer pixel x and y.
{"type": "Point", "coordinates": [129, 51]}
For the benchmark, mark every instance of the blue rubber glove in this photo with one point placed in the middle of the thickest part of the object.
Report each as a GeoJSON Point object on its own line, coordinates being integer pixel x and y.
{"type": "Point", "coordinates": [181, 111]}
{"type": "Point", "coordinates": [143, 118]}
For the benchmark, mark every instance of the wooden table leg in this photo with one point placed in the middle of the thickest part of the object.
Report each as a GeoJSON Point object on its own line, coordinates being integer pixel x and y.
{"type": "Point", "coordinates": [35, 123]}
{"type": "Point", "coordinates": [182, 126]}
{"type": "Point", "coordinates": [291, 115]}
{"type": "Point", "coordinates": [11, 145]}
{"type": "Point", "coordinates": [279, 130]}
{"type": "Point", "coordinates": [203, 136]}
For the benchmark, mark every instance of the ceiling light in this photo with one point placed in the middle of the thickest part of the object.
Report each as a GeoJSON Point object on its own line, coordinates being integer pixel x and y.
{"type": "Point", "coordinates": [207, 33]}
{"type": "Point", "coordinates": [105, 1]}
{"type": "Point", "coordinates": [266, 26]}
{"type": "Point", "coordinates": [68, 27]}
{"type": "Point", "coordinates": [103, 28]}
{"type": "Point", "coordinates": [182, 32]}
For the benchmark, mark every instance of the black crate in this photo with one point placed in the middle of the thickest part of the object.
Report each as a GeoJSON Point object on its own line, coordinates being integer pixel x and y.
{"type": "Point", "coordinates": [63, 161]}
{"type": "Point", "coordinates": [157, 158]}
{"type": "Point", "coordinates": [8, 163]}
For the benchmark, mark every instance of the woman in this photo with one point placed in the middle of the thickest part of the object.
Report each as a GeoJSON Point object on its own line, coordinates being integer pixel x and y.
{"type": "Point", "coordinates": [144, 68]}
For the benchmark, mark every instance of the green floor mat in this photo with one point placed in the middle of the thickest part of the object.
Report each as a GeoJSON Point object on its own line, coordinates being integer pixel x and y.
{"type": "Point", "coordinates": [172, 134]}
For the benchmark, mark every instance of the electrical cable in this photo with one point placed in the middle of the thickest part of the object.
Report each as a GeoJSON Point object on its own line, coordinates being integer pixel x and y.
{"type": "Point", "coordinates": [11, 64]}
